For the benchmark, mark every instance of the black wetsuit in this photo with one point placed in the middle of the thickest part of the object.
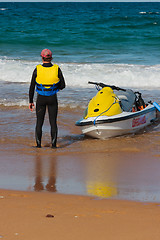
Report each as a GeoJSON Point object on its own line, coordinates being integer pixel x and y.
{"type": "Point", "coordinates": [41, 104]}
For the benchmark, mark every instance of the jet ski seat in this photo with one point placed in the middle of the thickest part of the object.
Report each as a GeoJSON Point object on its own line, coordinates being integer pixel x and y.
{"type": "Point", "coordinates": [127, 99]}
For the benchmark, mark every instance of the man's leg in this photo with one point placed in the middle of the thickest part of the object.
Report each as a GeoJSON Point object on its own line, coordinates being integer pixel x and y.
{"type": "Point", "coordinates": [40, 113]}
{"type": "Point", "coordinates": [52, 111]}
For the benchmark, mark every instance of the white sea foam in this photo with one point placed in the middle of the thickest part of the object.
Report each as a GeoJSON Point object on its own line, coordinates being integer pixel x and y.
{"type": "Point", "coordinates": [142, 12]}
{"type": "Point", "coordinates": [3, 9]}
{"type": "Point", "coordinates": [16, 75]}
{"type": "Point", "coordinates": [14, 102]}
{"type": "Point", "coordinates": [149, 13]}
{"type": "Point", "coordinates": [121, 75]}
{"type": "Point", "coordinates": [78, 75]}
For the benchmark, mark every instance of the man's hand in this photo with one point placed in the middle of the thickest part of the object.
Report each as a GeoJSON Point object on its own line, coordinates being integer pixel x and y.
{"type": "Point", "coordinates": [31, 107]}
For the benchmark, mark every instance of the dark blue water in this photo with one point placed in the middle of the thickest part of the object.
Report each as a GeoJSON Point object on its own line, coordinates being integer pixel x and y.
{"type": "Point", "coordinates": [82, 32]}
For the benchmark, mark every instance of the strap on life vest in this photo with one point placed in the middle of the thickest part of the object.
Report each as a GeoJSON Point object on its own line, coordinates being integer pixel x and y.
{"type": "Point", "coordinates": [49, 91]}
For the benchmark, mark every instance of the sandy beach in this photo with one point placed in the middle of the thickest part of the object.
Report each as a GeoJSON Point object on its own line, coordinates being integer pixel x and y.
{"type": "Point", "coordinates": [38, 216]}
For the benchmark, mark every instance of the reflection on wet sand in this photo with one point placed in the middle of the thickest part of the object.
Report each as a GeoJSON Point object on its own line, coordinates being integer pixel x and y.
{"type": "Point", "coordinates": [121, 168]}
{"type": "Point", "coordinates": [119, 175]}
{"type": "Point", "coordinates": [39, 185]}
{"type": "Point", "coordinates": [123, 176]}
{"type": "Point", "coordinates": [101, 177]}
{"type": "Point", "coordinates": [102, 189]}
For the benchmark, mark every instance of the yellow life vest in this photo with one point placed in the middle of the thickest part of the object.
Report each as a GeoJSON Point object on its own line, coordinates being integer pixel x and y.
{"type": "Point", "coordinates": [47, 75]}
{"type": "Point", "coordinates": [47, 80]}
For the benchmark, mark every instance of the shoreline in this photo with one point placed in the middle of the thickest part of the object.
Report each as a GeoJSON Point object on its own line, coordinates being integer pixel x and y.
{"type": "Point", "coordinates": [32, 215]}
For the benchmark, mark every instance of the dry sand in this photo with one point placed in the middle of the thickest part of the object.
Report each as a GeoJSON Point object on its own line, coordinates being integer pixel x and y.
{"type": "Point", "coordinates": [24, 217]}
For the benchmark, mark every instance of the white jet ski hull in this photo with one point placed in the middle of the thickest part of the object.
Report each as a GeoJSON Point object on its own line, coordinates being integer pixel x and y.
{"type": "Point", "coordinates": [121, 124]}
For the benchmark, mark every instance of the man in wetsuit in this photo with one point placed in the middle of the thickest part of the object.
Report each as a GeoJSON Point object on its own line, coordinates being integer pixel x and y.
{"type": "Point", "coordinates": [48, 80]}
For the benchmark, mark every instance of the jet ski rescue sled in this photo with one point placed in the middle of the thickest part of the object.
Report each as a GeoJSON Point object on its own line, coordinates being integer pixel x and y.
{"type": "Point", "coordinates": [115, 111]}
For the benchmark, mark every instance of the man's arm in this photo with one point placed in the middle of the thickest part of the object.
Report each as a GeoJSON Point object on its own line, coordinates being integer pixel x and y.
{"type": "Point", "coordinates": [31, 90]}
{"type": "Point", "coordinates": [61, 83]}
{"type": "Point", "coordinates": [32, 86]}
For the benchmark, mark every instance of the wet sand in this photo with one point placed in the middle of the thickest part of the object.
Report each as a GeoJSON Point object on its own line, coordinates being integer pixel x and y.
{"type": "Point", "coordinates": [118, 168]}
{"type": "Point", "coordinates": [91, 189]}
{"type": "Point", "coordinates": [103, 172]}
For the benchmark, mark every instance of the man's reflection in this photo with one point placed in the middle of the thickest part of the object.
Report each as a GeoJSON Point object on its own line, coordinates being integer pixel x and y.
{"type": "Point", "coordinates": [39, 184]}
{"type": "Point", "coordinates": [51, 185]}
{"type": "Point", "coordinates": [38, 174]}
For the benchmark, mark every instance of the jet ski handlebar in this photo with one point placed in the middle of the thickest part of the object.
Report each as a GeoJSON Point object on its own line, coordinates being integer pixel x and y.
{"type": "Point", "coordinates": [102, 85]}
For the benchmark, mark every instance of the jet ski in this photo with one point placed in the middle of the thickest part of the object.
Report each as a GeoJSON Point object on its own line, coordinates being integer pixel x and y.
{"type": "Point", "coordinates": [116, 111]}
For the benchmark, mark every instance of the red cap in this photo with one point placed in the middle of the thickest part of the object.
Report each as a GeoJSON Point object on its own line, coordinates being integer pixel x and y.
{"type": "Point", "coordinates": [46, 53]}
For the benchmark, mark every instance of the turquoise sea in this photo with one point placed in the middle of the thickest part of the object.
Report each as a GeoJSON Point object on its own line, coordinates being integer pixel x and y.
{"type": "Point", "coordinates": [113, 33]}
{"type": "Point", "coordinates": [113, 43]}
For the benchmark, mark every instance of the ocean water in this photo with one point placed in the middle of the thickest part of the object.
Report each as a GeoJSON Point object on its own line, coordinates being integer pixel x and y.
{"type": "Point", "coordinates": [115, 43]}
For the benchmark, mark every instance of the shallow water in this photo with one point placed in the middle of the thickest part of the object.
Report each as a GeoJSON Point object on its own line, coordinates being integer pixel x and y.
{"type": "Point", "coordinates": [121, 168]}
